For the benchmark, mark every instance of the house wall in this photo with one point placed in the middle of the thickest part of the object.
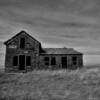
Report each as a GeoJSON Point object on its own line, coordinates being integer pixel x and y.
{"type": "Point", "coordinates": [34, 50]}
{"type": "Point", "coordinates": [59, 63]}
{"type": "Point", "coordinates": [13, 49]}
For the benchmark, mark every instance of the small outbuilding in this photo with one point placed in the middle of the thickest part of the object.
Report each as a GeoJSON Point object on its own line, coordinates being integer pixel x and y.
{"type": "Point", "coordinates": [25, 53]}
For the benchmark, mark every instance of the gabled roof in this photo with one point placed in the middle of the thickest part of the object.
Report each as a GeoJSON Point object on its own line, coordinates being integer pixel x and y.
{"type": "Point", "coordinates": [60, 51]}
{"type": "Point", "coordinates": [21, 32]}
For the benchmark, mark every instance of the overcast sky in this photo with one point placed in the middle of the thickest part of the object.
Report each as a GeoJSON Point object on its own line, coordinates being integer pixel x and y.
{"type": "Point", "coordinates": [55, 23]}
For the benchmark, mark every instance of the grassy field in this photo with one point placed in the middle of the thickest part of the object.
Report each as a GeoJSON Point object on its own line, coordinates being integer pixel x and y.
{"type": "Point", "coordinates": [81, 84]}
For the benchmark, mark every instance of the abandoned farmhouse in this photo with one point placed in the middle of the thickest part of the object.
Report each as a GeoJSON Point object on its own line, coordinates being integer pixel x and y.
{"type": "Point", "coordinates": [25, 53]}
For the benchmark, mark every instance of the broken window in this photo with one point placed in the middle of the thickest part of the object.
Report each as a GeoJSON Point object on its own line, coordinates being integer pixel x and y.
{"type": "Point", "coordinates": [53, 61]}
{"type": "Point", "coordinates": [74, 60]}
{"type": "Point", "coordinates": [46, 60]}
{"type": "Point", "coordinates": [22, 43]}
{"type": "Point", "coordinates": [15, 61]}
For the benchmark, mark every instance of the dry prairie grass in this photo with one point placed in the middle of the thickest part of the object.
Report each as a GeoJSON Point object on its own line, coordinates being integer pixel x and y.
{"type": "Point", "coordinates": [83, 84]}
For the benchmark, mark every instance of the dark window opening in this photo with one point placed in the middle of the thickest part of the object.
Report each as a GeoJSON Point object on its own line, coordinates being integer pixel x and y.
{"type": "Point", "coordinates": [46, 60]}
{"type": "Point", "coordinates": [53, 61]}
{"type": "Point", "coordinates": [15, 61]}
{"type": "Point", "coordinates": [22, 43]}
{"type": "Point", "coordinates": [28, 61]}
{"type": "Point", "coordinates": [74, 60]}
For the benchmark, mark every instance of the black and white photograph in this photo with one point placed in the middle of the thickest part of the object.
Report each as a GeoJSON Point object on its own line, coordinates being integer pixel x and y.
{"type": "Point", "coordinates": [49, 49]}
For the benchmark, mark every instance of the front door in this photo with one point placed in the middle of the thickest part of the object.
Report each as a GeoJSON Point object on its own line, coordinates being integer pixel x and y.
{"type": "Point", "coordinates": [22, 62]}
{"type": "Point", "coordinates": [64, 62]}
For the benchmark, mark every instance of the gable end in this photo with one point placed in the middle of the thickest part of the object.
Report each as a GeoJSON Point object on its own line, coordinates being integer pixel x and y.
{"type": "Point", "coordinates": [10, 40]}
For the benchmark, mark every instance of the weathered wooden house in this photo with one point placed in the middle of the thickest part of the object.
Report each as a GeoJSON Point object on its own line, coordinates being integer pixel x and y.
{"type": "Point", "coordinates": [25, 53]}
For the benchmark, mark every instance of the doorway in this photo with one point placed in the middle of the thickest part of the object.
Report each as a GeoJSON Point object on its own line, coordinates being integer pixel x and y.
{"type": "Point", "coordinates": [22, 62]}
{"type": "Point", "coordinates": [64, 62]}
{"type": "Point", "coordinates": [28, 60]}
